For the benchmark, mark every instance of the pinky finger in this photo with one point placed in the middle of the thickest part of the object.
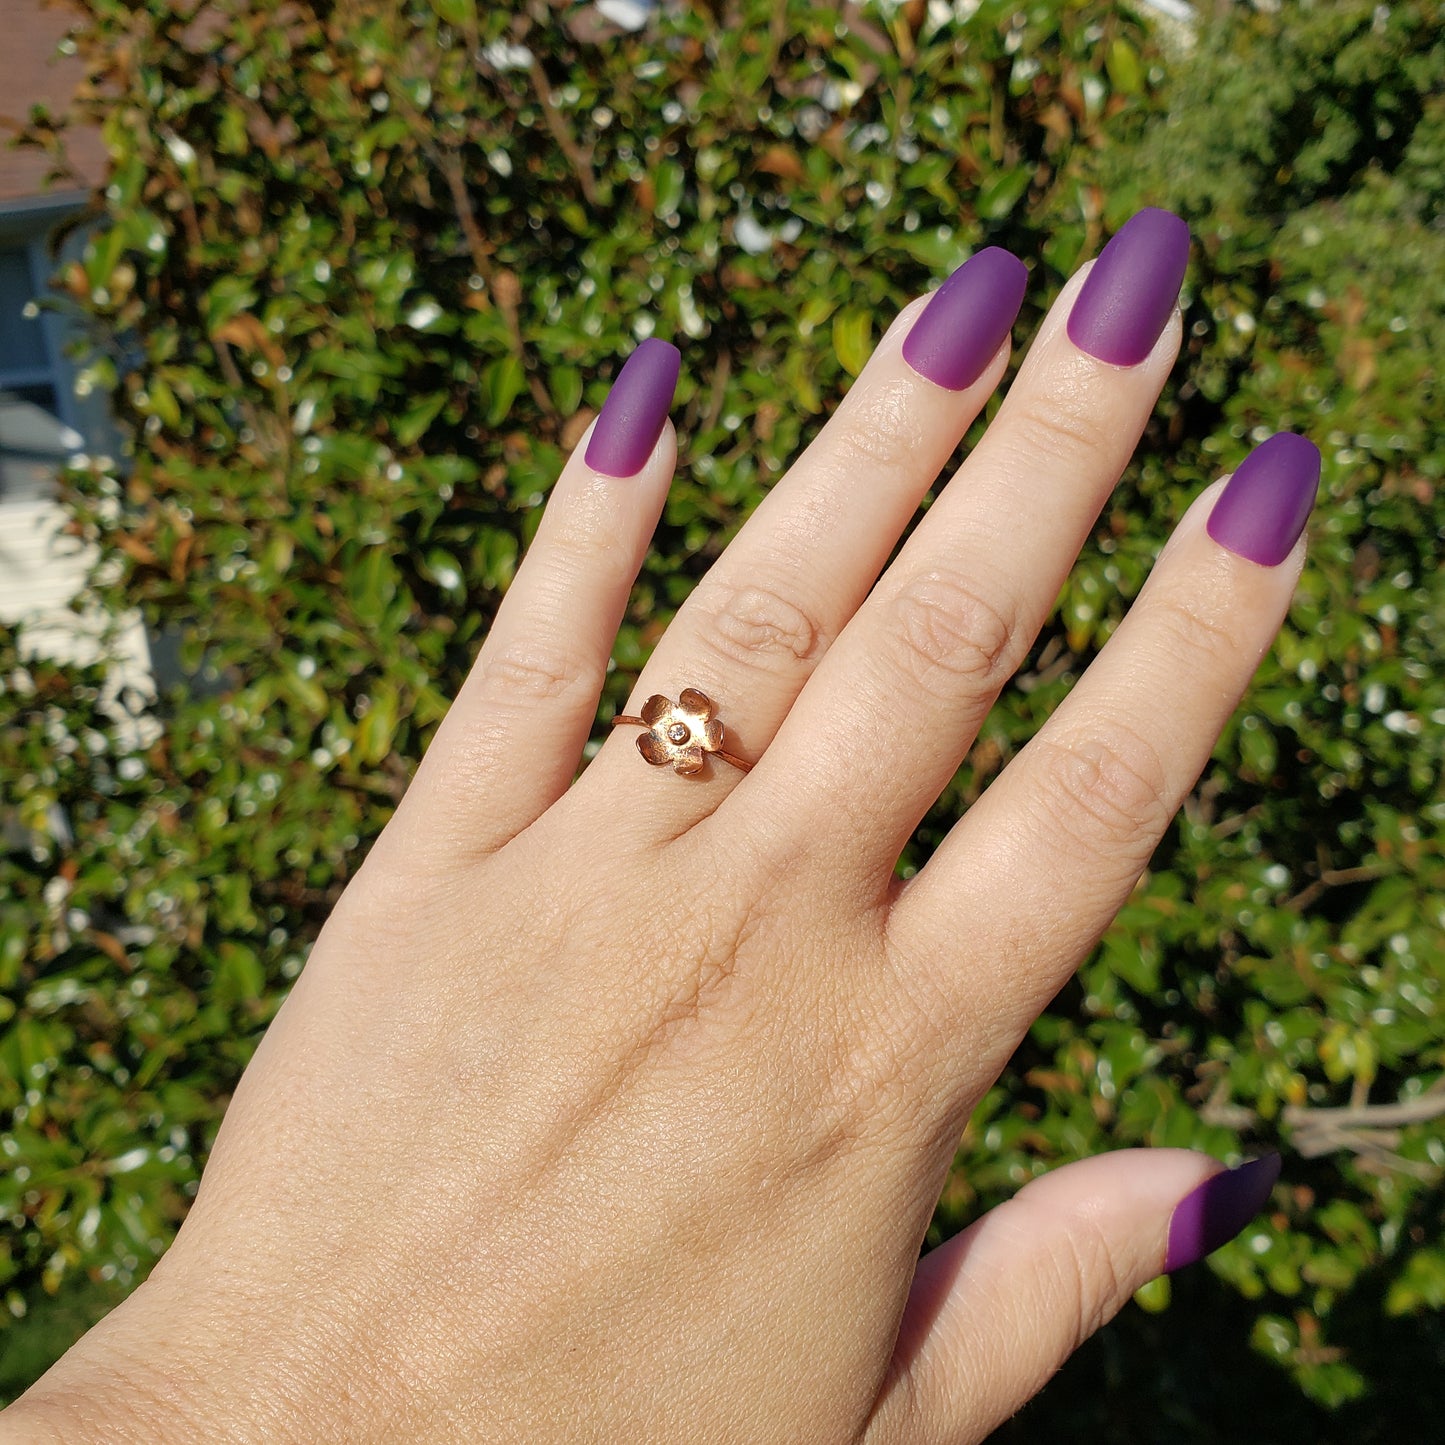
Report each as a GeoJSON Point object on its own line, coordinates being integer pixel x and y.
{"type": "Point", "coordinates": [511, 742]}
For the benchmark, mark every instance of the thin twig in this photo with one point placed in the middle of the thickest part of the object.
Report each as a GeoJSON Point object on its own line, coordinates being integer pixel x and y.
{"type": "Point", "coordinates": [268, 430]}
{"type": "Point", "coordinates": [577, 158]}
{"type": "Point", "coordinates": [718, 397]}
{"type": "Point", "coordinates": [1234, 822]}
{"type": "Point", "coordinates": [1372, 1132]}
{"type": "Point", "coordinates": [1369, 1131]}
{"type": "Point", "coordinates": [1333, 878]}
{"type": "Point", "coordinates": [1430, 1105]}
{"type": "Point", "coordinates": [500, 285]}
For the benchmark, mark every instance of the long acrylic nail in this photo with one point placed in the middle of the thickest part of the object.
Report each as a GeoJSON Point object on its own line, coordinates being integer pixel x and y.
{"type": "Point", "coordinates": [1128, 297]}
{"type": "Point", "coordinates": [966, 322]}
{"type": "Point", "coordinates": [1215, 1212]}
{"type": "Point", "coordinates": [631, 418]}
{"type": "Point", "coordinates": [1264, 506]}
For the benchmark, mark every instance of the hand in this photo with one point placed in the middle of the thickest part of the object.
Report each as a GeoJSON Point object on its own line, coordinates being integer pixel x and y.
{"type": "Point", "coordinates": [616, 1110]}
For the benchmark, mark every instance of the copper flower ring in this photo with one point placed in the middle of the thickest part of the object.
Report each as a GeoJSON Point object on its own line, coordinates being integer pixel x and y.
{"type": "Point", "coordinates": [682, 733]}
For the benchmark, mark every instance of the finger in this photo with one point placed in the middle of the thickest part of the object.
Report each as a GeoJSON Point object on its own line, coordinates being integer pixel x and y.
{"type": "Point", "coordinates": [890, 714]}
{"type": "Point", "coordinates": [755, 627]}
{"type": "Point", "coordinates": [1053, 848]}
{"type": "Point", "coordinates": [996, 1310]}
{"type": "Point", "coordinates": [511, 742]}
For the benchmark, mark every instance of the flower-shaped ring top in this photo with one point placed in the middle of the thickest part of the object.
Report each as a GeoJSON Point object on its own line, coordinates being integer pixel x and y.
{"type": "Point", "coordinates": [681, 733]}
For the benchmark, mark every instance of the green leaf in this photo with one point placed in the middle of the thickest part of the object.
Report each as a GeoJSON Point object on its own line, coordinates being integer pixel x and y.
{"type": "Point", "coordinates": [461, 13]}
{"type": "Point", "coordinates": [1000, 193]}
{"type": "Point", "coordinates": [1154, 1296]}
{"type": "Point", "coordinates": [853, 339]}
{"type": "Point", "coordinates": [411, 426]}
{"type": "Point", "coordinates": [239, 974]}
{"type": "Point", "coordinates": [503, 382]}
{"type": "Point", "coordinates": [163, 402]}
{"type": "Point", "coordinates": [373, 585]}
{"type": "Point", "coordinates": [668, 181]}
{"type": "Point", "coordinates": [377, 728]}
{"type": "Point", "coordinates": [1122, 63]}
{"type": "Point", "coordinates": [308, 694]}
{"type": "Point", "coordinates": [565, 384]}
{"type": "Point", "coordinates": [1257, 748]}
{"type": "Point", "coordinates": [227, 297]}
{"type": "Point", "coordinates": [1134, 959]}
{"type": "Point", "coordinates": [443, 569]}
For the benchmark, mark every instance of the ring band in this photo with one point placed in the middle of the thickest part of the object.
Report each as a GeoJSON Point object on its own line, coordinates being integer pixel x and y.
{"type": "Point", "coordinates": [682, 733]}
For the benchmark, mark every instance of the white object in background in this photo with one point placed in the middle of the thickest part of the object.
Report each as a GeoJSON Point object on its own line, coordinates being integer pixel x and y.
{"type": "Point", "coordinates": [42, 568]}
{"type": "Point", "coordinates": [626, 14]}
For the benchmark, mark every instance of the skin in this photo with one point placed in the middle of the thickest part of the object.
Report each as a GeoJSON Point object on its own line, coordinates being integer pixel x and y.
{"type": "Point", "coordinates": [617, 1109]}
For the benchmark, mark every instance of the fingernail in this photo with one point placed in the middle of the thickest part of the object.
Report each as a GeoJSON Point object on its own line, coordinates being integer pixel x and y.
{"type": "Point", "coordinates": [631, 418]}
{"type": "Point", "coordinates": [1264, 506]}
{"type": "Point", "coordinates": [967, 320]}
{"type": "Point", "coordinates": [1128, 297]}
{"type": "Point", "coordinates": [1215, 1212]}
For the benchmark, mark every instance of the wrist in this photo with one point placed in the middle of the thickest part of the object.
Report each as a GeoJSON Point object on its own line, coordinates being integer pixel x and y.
{"type": "Point", "coordinates": [82, 1401]}
{"type": "Point", "coordinates": [124, 1383]}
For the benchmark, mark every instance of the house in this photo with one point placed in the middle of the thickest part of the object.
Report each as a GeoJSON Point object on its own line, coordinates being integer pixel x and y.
{"type": "Point", "coordinates": [42, 419]}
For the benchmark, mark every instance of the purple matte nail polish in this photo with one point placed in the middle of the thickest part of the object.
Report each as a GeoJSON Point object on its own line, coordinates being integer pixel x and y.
{"type": "Point", "coordinates": [1215, 1212]}
{"type": "Point", "coordinates": [967, 320]}
{"type": "Point", "coordinates": [1128, 297]}
{"type": "Point", "coordinates": [631, 418]}
{"type": "Point", "coordinates": [1264, 506]}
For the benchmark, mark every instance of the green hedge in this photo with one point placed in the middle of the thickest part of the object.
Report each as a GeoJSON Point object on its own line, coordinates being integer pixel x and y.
{"type": "Point", "coordinates": [360, 276]}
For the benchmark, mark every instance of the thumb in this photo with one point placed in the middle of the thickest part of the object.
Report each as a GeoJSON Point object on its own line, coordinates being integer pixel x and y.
{"type": "Point", "coordinates": [998, 1308]}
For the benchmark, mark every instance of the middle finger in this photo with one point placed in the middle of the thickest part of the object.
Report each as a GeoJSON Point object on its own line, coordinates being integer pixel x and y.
{"type": "Point", "coordinates": [891, 711]}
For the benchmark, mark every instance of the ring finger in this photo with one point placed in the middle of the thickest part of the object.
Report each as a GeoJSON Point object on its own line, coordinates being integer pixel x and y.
{"type": "Point", "coordinates": [756, 626]}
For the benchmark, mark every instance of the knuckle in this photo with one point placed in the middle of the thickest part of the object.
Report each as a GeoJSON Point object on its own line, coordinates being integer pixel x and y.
{"type": "Point", "coordinates": [1087, 1278]}
{"type": "Point", "coordinates": [1191, 632]}
{"type": "Point", "coordinates": [880, 429]}
{"type": "Point", "coordinates": [534, 672]}
{"type": "Point", "coordinates": [578, 550]}
{"type": "Point", "coordinates": [580, 529]}
{"type": "Point", "coordinates": [1107, 790]}
{"type": "Point", "coordinates": [1063, 423]}
{"type": "Point", "coordinates": [761, 627]}
{"type": "Point", "coordinates": [948, 632]}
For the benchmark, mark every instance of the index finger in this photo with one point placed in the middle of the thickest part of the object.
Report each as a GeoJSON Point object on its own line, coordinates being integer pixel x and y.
{"type": "Point", "coordinates": [1051, 851]}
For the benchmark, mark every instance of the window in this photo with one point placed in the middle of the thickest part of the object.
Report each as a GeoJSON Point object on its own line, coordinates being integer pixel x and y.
{"type": "Point", "coordinates": [42, 424]}
{"type": "Point", "coordinates": [36, 430]}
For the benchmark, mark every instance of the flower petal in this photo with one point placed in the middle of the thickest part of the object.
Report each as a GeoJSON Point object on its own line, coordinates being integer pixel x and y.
{"type": "Point", "coordinates": [712, 735]}
{"type": "Point", "coordinates": [654, 749]}
{"type": "Point", "coordinates": [689, 760]}
{"type": "Point", "coordinates": [655, 708]}
{"type": "Point", "coordinates": [699, 704]}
